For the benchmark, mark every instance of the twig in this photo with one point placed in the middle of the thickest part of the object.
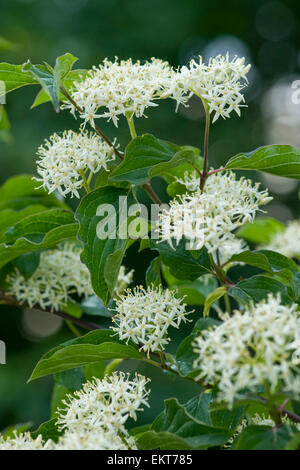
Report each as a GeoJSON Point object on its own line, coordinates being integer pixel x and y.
{"type": "Point", "coordinates": [148, 188]}
{"type": "Point", "coordinates": [78, 321]}
{"type": "Point", "coordinates": [97, 128]}
{"type": "Point", "coordinates": [283, 411]}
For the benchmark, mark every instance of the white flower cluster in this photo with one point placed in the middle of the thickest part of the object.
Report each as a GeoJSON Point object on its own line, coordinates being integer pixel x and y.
{"type": "Point", "coordinates": [65, 159]}
{"type": "Point", "coordinates": [70, 440]}
{"type": "Point", "coordinates": [60, 274]}
{"type": "Point", "coordinates": [123, 281]}
{"type": "Point", "coordinates": [122, 88]}
{"type": "Point", "coordinates": [144, 316]}
{"type": "Point", "coordinates": [22, 441]}
{"type": "Point", "coordinates": [94, 417]}
{"type": "Point", "coordinates": [128, 88]}
{"type": "Point", "coordinates": [92, 440]}
{"type": "Point", "coordinates": [287, 242]}
{"type": "Point", "coordinates": [257, 345]}
{"type": "Point", "coordinates": [208, 218]}
{"type": "Point", "coordinates": [104, 405]}
{"type": "Point", "coordinates": [219, 83]}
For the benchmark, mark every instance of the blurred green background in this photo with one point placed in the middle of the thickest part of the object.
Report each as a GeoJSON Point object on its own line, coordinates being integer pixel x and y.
{"type": "Point", "coordinates": [267, 33]}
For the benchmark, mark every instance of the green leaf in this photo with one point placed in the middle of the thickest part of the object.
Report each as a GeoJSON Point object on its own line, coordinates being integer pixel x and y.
{"type": "Point", "coordinates": [4, 122]}
{"type": "Point", "coordinates": [182, 157]}
{"type": "Point", "coordinates": [9, 217]}
{"type": "Point", "coordinates": [175, 189]}
{"type": "Point", "coordinates": [59, 394]}
{"type": "Point", "coordinates": [261, 231]}
{"type": "Point", "coordinates": [103, 257]}
{"type": "Point", "coordinates": [199, 408]}
{"type": "Point", "coordinates": [46, 79]}
{"type": "Point", "coordinates": [51, 92]}
{"type": "Point", "coordinates": [180, 261]}
{"type": "Point", "coordinates": [68, 82]}
{"type": "Point", "coordinates": [94, 306]}
{"type": "Point", "coordinates": [212, 298]}
{"type": "Point", "coordinates": [94, 370]}
{"type": "Point", "coordinates": [175, 428]}
{"type": "Point", "coordinates": [104, 175]}
{"type": "Point", "coordinates": [195, 292]}
{"type": "Point", "coordinates": [49, 228]}
{"type": "Point", "coordinates": [66, 383]}
{"type": "Point", "coordinates": [281, 160]}
{"type": "Point", "coordinates": [257, 288]}
{"type": "Point", "coordinates": [20, 191]}
{"type": "Point", "coordinates": [294, 443]}
{"type": "Point", "coordinates": [28, 263]}
{"type": "Point", "coordinates": [91, 348]}
{"type": "Point", "coordinates": [72, 379]}
{"type": "Point", "coordinates": [153, 273]}
{"type": "Point", "coordinates": [272, 262]}
{"type": "Point", "coordinates": [63, 66]}
{"type": "Point", "coordinates": [170, 174]}
{"type": "Point", "coordinates": [73, 309]}
{"type": "Point", "coordinates": [35, 226]}
{"type": "Point", "coordinates": [141, 155]}
{"type": "Point", "coordinates": [52, 80]}
{"type": "Point", "coordinates": [48, 430]}
{"type": "Point", "coordinates": [262, 438]}
{"type": "Point", "coordinates": [14, 77]}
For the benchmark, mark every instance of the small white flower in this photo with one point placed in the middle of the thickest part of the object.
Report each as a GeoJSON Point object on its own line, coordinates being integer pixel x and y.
{"type": "Point", "coordinates": [123, 88]}
{"type": "Point", "coordinates": [64, 160]}
{"type": "Point", "coordinates": [105, 404]}
{"type": "Point", "coordinates": [208, 218]}
{"type": "Point", "coordinates": [96, 439]}
{"type": "Point", "coordinates": [268, 421]}
{"type": "Point", "coordinates": [251, 347]}
{"type": "Point", "coordinates": [287, 242]}
{"type": "Point", "coordinates": [144, 316]}
{"type": "Point", "coordinates": [22, 441]}
{"type": "Point", "coordinates": [219, 83]}
{"type": "Point", "coordinates": [60, 274]}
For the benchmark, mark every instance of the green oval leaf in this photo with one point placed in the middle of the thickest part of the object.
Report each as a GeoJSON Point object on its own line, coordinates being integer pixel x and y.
{"type": "Point", "coordinates": [141, 155]}
{"type": "Point", "coordinates": [88, 349]}
{"type": "Point", "coordinates": [103, 257]}
{"type": "Point", "coordinates": [281, 160]}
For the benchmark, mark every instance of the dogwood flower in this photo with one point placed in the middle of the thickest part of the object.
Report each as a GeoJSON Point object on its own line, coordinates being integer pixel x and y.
{"type": "Point", "coordinates": [123, 88]}
{"type": "Point", "coordinates": [22, 441]}
{"type": "Point", "coordinates": [65, 159]}
{"type": "Point", "coordinates": [218, 84]}
{"type": "Point", "coordinates": [287, 242]}
{"type": "Point", "coordinates": [59, 275]}
{"type": "Point", "coordinates": [209, 217]}
{"type": "Point", "coordinates": [144, 316]}
{"type": "Point", "coordinates": [104, 404]}
{"type": "Point", "coordinates": [93, 440]}
{"type": "Point", "coordinates": [258, 345]}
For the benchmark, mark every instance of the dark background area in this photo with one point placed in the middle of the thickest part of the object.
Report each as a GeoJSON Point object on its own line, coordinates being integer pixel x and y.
{"type": "Point", "coordinates": [267, 33]}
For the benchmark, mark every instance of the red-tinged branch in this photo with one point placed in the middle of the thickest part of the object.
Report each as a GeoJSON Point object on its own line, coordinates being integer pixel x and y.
{"type": "Point", "coordinates": [77, 321]}
{"type": "Point", "coordinates": [97, 128]}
